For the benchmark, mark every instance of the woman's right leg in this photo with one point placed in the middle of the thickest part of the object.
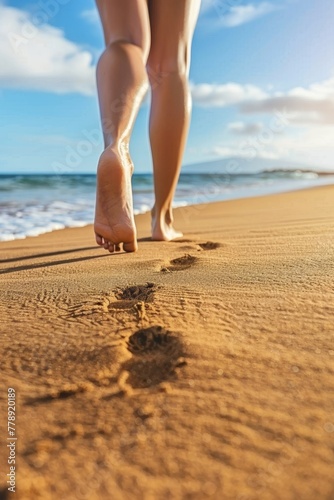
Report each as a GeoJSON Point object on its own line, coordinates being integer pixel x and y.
{"type": "Point", "coordinates": [122, 83]}
{"type": "Point", "coordinates": [172, 27]}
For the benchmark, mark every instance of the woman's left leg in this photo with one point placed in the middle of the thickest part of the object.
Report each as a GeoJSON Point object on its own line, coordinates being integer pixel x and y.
{"type": "Point", "coordinates": [122, 82]}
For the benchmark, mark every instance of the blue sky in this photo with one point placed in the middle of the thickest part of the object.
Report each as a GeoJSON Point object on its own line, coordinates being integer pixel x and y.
{"type": "Point", "coordinates": [262, 80]}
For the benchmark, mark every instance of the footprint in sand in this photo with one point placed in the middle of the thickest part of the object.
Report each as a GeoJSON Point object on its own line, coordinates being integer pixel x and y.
{"type": "Point", "coordinates": [156, 352]}
{"type": "Point", "coordinates": [121, 298]}
{"type": "Point", "coordinates": [210, 245]}
{"type": "Point", "coordinates": [148, 340]}
{"type": "Point", "coordinates": [131, 295]}
{"type": "Point", "coordinates": [180, 263]}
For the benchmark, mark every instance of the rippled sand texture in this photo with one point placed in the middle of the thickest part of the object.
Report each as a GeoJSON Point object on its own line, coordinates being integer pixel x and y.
{"type": "Point", "coordinates": [201, 368]}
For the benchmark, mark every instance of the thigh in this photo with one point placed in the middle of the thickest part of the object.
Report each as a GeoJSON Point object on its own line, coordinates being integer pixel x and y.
{"type": "Point", "coordinates": [172, 27]}
{"type": "Point", "coordinates": [125, 20]}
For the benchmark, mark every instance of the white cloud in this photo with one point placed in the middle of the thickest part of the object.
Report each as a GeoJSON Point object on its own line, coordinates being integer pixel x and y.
{"type": "Point", "coordinates": [299, 127]}
{"type": "Point", "coordinates": [235, 151]}
{"type": "Point", "coordinates": [242, 128]}
{"type": "Point", "coordinates": [310, 146]}
{"type": "Point", "coordinates": [230, 15]}
{"type": "Point", "coordinates": [303, 105]}
{"type": "Point", "coordinates": [37, 56]}
{"type": "Point", "coordinates": [310, 105]}
{"type": "Point", "coordinates": [242, 14]}
{"type": "Point", "coordinates": [225, 151]}
{"type": "Point", "coordinates": [216, 95]}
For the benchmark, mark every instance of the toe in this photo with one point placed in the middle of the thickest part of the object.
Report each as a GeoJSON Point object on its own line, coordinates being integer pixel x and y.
{"type": "Point", "coordinates": [98, 239]}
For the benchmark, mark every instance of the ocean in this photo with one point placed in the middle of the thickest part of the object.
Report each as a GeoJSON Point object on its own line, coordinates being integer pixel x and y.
{"type": "Point", "coordinates": [35, 204]}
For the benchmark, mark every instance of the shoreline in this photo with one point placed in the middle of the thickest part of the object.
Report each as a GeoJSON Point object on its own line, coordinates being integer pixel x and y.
{"type": "Point", "coordinates": [197, 368]}
{"type": "Point", "coordinates": [175, 209]}
{"type": "Point", "coordinates": [33, 207]}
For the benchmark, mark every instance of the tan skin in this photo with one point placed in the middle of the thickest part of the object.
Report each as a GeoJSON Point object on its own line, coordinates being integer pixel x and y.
{"type": "Point", "coordinates": [148, 43]}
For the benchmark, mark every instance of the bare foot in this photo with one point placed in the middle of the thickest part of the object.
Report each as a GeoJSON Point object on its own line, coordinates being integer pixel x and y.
{"type": "Point", "coordinates": [114, 221]}
{"type": "Point", "coordinates": [162, 227]}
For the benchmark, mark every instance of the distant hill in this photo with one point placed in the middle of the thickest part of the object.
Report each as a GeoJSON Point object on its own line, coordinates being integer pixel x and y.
{"type": "Point", "coordinates": [240, 165]}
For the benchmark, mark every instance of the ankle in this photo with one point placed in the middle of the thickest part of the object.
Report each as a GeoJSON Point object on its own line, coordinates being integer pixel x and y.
{"type": "Point", "coordinates": [118, 151]}
{"type": "Point", "coordinates": [162, 214]}
{"type": "Point", "coordinates": [118, 145]}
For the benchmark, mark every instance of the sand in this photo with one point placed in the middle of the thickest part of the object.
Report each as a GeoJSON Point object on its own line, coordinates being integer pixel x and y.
{"type": "Point", "coordinates": [200, 368]}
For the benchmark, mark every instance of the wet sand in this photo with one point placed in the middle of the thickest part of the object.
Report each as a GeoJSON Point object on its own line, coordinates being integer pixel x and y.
{"type": "Point", "coordinates": [200, 368]}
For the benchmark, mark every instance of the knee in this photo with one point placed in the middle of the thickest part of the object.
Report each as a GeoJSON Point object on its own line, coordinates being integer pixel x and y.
{"type": "Point", "coordinates": [161, 63]}
{"type": "Point", "coordinates": [124, 45]}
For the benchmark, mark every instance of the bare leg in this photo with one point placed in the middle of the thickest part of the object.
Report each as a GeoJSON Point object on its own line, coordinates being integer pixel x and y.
{"type": "Point", "coordinates": [172, 26]}
{"type": "Point", "coordinates": [122, 83]}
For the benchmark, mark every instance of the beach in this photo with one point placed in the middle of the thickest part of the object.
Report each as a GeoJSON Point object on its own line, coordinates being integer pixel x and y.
{"type": "Point", "coordinates": [198, 368]}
